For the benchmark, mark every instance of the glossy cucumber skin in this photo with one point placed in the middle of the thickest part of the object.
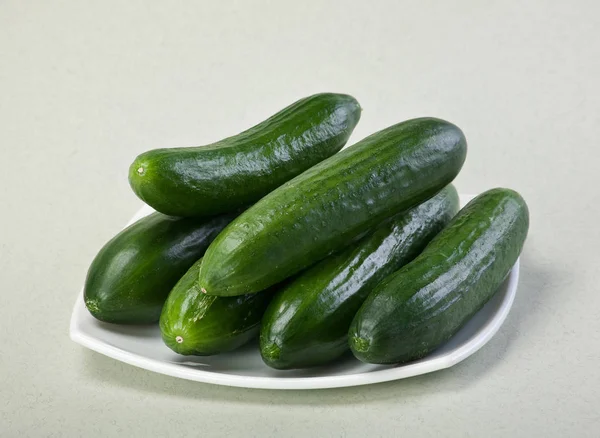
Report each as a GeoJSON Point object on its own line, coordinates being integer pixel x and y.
{"type": "Point", "coordinates": [131, 276]}
{"type": "Point", "coordinates": [325, 208]}
{"type": "Point", "coordinates": [193, 323]}
{"type": "Point", "coordinates": [239, 170]}
{"type": "Point", "coordinates": [307, 322]}
{"type": "Point", "coordinates": [422, 305]}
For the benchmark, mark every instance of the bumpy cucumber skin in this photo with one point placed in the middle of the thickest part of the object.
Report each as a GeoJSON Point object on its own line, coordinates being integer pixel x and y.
{"type": "Point", "coordinates": [419, 307]}
{"type": "Point", "coordinates": [307, 322]}
{"type": "Point", "coordinates": [193, 323]}
{"type": "Point", "coordinates": [131, 276]}
{"type": "Point", "coordinates": [325, 208]}
{"type": "Point", "coordinates": [239, 170]}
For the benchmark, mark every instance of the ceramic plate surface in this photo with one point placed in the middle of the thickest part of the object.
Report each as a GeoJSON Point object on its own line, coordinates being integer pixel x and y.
{"type": "Point", "coordinates": [143, 347]}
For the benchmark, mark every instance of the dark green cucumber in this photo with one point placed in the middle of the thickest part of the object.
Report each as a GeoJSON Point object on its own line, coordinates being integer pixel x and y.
{"type": "Point", "coordinates": [239, 170]}
{"type": "Point", "coordinates": [307, 322]}
{"type": "Point", "coordinates": [419, 307]}
{"type": "Point", "coordinates": [193, 323]}
{"type": "Point", "coordinates": [325, 208]}
{"type": "Point", "coordinates": [130, 278]}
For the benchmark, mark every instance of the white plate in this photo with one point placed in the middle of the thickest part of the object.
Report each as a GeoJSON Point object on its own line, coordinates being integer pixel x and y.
{"type": "Point", "coordinates": [142, 346]}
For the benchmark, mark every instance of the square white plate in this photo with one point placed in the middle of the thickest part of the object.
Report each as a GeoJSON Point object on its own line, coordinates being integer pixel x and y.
{"type": "Point", "coordinates": [142, 346]}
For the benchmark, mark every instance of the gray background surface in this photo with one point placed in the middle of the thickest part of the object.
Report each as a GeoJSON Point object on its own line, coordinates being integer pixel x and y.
{"type": "Point", "coordinates": [86, 86]}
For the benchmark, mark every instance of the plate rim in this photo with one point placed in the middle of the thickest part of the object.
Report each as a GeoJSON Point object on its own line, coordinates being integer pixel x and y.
{"type": "Point", "coordinates": [488, 330]}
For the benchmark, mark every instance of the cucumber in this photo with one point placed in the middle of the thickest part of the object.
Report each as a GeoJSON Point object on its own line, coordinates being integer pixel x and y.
{"type": "Point", "coordinates": [239, 170]}
{"type": "Point", "coordinates": [131, 276]}
{"type": "Point", "coordinates": [422, 305]}
{"type": "Point", "coordinates": [325, 208]}
{"type": "Point", "coordinates": [307, 322]}
{"type": "Point", "coordinates": [193, 323]}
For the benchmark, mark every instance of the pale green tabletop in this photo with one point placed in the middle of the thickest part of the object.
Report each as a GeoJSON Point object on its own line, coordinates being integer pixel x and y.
{"type": "Point", "coordinates": [86, 86]}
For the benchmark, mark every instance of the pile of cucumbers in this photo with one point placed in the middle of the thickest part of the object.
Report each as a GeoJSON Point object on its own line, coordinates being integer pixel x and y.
{"type": "Point", "coordinates": [277, 233]}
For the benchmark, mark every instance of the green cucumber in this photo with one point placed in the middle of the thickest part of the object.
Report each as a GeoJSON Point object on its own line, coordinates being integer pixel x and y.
{"type": "Point", "coordinates": [130, 278]}
{"type": "Point", "coordinates": [307, 322]}
{"type": "Point", "coordinates": [239, 170]}
{"type": "Point", "coordinates": [325, 208]}
{"type": "Point", "coordinates": [193, 323]}
{"type": "Point", "coordinates": [422, 305]}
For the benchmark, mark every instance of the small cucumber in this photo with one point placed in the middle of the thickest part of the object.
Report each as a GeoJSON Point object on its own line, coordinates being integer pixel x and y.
{"type": "Point", "coordinates": [325, 208]}
{"type": "Point", "coordinates": [307, 322]}
{"type": "Point", "coordinates": [419, 307]}
{"type": "Point", "coordinates": [131, 276]}
{"type": "Point", "coordinates": [193, 323]}
{"type": "Point", "coordinates": [239, 170]}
